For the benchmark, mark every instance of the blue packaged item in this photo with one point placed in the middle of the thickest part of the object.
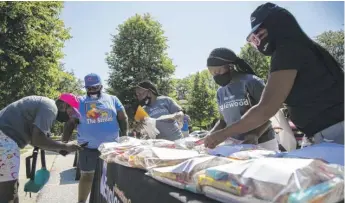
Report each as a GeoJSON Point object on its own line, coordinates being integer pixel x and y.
{"type": "Point", "coordinates": [317, 192]}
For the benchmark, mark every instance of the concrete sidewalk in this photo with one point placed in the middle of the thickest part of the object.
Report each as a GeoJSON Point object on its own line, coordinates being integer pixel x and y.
{"type": "Point", "coordinates": [61, 188]}
{"type": "Point", "coordinates": [50, 158]}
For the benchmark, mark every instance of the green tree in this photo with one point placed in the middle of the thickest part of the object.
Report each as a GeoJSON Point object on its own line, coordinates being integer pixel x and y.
{"type": "Point", "coordinates": [68, 82]}
{"type": "Point", "coordinates": [259, 62]}
{"type": "Point", "coordinates": [139, 52]}
{"type": "Point", "coordinates": [202, 105]}
{"type": "Point", "coordinates": [333, 41]}
{"type": "Point", "coordinates": [31, 40]}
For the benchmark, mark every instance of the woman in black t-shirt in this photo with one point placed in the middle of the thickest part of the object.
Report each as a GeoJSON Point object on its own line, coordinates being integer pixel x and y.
{"type": "Point", "coordinates": [303, 75]}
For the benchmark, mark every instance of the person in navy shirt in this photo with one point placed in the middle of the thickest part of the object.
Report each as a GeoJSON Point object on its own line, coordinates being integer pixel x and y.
{"type": "Point", "coordinates": [103, 119]}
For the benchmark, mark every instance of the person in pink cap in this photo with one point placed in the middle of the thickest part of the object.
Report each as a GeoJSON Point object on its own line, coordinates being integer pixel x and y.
{"type": "Point", "coordinates": [29, 121]}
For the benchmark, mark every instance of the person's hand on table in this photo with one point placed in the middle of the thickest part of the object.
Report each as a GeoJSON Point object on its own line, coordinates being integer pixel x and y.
{"type": "Point", "coordinates": [214, 139]}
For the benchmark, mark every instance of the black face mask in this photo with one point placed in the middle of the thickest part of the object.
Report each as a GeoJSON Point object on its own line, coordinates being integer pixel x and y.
{"type": "Point", "coordinates": [223, 79]}
{"type": "Point", "coordinates": [266, 47]}
{"type": "Point", "coordinates": [62, 116]}
{"type": "Point", "coordinates": [145, 102]}
{"type": "Point", "coordinates": [94, 95]}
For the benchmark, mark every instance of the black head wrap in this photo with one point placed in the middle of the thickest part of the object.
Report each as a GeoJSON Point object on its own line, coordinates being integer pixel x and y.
{"type": "Point", "coordinates": [150, 86]}
{"type": "Point", "coordinates": [224, 56]}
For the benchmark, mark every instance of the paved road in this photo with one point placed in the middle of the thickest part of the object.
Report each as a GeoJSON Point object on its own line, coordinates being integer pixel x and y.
{"type": "Point", "coordinates": [61, 188]}
{"type": "Point", "coordinates": [50, 158]}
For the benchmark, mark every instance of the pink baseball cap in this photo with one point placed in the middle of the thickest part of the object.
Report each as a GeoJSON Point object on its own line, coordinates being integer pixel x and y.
{"type": "Point", "coordinates": [71, 100]}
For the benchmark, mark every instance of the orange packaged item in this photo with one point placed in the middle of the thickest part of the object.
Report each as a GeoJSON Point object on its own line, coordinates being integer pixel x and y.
{"type": "Point", "coordinates": [140, 114]}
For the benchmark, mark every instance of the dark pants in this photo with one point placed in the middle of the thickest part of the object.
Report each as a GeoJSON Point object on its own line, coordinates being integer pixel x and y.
{"type": "Point", "coordinates": [88, 159]}
{"type": "Point", "coordinates": [9, 191]}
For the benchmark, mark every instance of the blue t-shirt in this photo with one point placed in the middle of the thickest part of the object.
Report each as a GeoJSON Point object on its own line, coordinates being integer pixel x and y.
{"type": "Point", "coordinates": [234, 100]}
{"type": "Point", "coordinates": [98, 121]}
{"type": "Point", "coordinates": [185, 123]}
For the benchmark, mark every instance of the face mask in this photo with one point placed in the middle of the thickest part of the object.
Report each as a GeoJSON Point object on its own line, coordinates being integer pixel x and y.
{"type": "Point", "coordinates": [262, 45]}
{"type": "Point", "coordinates": [94, 95]}
{"type": "Point", "coordinates": [223, 79]}
{"type": "Point", "coordinates": [265, 47]}
{"type": "Point", "coordinates": [62, 116]}
{"type": "Point", "coordinates": [146, 101]}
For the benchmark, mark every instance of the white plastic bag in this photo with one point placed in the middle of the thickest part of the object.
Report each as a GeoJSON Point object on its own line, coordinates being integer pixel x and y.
{"type": "Point", "coordinates": [148, 129]}
{"type": "Point", "coordinates": [285, 136]}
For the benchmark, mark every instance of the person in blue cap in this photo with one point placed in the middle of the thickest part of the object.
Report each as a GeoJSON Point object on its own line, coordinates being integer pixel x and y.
{"type": "Point", "coordinates": [103, 119]}
{"type": "Point", "coordinates": [303, 75]}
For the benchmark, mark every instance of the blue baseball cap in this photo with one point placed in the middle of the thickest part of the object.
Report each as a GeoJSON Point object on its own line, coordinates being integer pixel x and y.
{"type": "Point", "coordinates": [92, 79]}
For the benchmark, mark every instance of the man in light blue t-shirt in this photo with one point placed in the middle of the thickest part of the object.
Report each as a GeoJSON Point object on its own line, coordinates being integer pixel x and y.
{"type": "Point", "coordinates": [103, 119]}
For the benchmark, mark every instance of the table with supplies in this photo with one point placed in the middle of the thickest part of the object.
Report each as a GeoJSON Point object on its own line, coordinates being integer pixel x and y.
{"type": "Point", "coordinates": [149, 171]}
{"type": "Point", "coordinates": [114, 183]}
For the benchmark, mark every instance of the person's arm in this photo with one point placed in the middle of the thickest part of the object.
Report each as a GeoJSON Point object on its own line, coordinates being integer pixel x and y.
{"type": "Point", "coordinates": [218, 126]}
{"type": "Point", "coordinates": [174, 109]}
{"type": "Point", "coordinates": [68, 129]}
{"type": "Point", "coordinates": [271, 100]}
{"type": "Point", "coordinates": [122, 117]}
{"type": "Point", "coordinates": [123, 122]}
{"type": "Point", "coordinates": [255, 87]}
{"type": "Point", "coordinates": [39, 139]}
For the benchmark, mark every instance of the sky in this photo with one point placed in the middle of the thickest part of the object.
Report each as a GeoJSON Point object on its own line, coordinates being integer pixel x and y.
{"type": "Point", "coordinates": [193, 29]}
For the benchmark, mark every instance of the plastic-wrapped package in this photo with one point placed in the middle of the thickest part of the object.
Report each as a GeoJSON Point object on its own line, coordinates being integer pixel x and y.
{"type": "Point", "coordinates": [227, 150]}
{"type": "Point", "coordinates": [122, 144]}
{"type": "Point", "coordinates": [273, 179]}
{"type": "Point", "coordinates": [149, 157]}
{"type": "Point", "coordinates": [127, 158]}
{"type": "Point", "coordinates": [115, 148]}
{"type": "Point", "coordinates": [251, 154]}
{"type": "Point", "coordinates": [329, 191]}
{"type": "Point", "coordinates": [225, 197]}
{"type": "Point", "coordinates": [187, 171]}
{"type": "Point", "coordinates": [229, 186]}
{"type": "Point", "coordinates": [159, 143]}
{"type": "Point", "coordinates": [189, 142]}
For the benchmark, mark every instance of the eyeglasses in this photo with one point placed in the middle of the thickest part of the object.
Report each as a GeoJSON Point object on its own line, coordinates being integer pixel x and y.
{"type": "Point", "coordinates": [93, 88]}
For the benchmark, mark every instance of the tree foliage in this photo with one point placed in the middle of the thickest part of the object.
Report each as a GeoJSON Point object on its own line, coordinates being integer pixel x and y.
{"type": "Point", "coordinates": [202, 105]}
{"type": "Point", "coordinates": [333, 41]}
{"type": "Point", "coordinates": [31, 40]}
{"type": "Point", "coordinates": [259, 62]}
{"type": "Point", "coordinates": [139, 53]}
